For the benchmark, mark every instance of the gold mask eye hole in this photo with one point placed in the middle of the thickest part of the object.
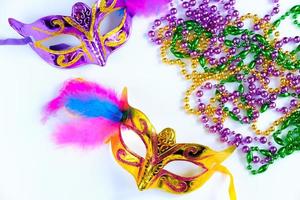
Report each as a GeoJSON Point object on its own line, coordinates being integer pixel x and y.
{"type": "Point", "coordinates": [133, 142]}
{"type": "Point", "coordinates": [184, 168]}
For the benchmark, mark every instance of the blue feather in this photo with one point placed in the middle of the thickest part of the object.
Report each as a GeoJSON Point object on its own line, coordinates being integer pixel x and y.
{"type": "Point", "coordinates": [94, 107]}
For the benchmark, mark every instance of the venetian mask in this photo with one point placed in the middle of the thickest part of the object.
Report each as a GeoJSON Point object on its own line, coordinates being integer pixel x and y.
{"type": "Point", "coordinates": [85, 25]}
{"type": "Point", "coordinates": [162, 149]}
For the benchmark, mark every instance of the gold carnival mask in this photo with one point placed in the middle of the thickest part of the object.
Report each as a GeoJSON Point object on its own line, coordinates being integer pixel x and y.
{"type": "Point", "coordinates": [162, 149]}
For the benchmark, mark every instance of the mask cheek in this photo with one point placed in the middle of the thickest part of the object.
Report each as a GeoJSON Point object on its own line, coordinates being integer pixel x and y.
{"type": "Point", "coordinates": [180, 176]}
{"type": "Point", "coordinates": [116, 40]}
{"type": "Point", "coordinates": [69, 60]}
{"type": "Point", "coordinates": [172, 183]}
{"type": "Point", "coordinates": [60, 58]}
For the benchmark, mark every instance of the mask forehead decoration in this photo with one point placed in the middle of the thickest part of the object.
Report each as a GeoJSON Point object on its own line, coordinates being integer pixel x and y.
{"type": "Point", "coordinates": [85, 24]}
{"type": "Point", "coordinates": [97, 116]}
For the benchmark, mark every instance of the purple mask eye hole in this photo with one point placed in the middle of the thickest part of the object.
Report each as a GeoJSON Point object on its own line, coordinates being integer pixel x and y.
{"type": "Point", "coordinates": [62, 42]}
{"type": "Point", "coordinates": [111, 21]}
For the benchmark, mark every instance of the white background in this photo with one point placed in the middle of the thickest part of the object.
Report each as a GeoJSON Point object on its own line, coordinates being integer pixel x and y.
{"type": "Point", "coordinates": [33, 168]}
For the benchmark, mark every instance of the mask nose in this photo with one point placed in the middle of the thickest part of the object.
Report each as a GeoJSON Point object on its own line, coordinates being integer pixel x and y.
{"type": "Point", "coordinates": [142, 186]}
{"type": "Point", "coordinates": [147, 178]}
{"type": "Point", "coordinates": [98, 53]}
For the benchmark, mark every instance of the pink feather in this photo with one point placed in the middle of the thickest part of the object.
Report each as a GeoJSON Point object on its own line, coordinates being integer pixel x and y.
{"type": "Point", "coordinates": [85, 132]}
{"type": "Point", "coordinates": [146, 7]}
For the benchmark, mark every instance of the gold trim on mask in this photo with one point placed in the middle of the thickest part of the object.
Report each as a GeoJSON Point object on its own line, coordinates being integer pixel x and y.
{"type": "Point", "coordinates": [89, 34]}
{"type": "Point", "coordinates": [58, 22]}
{"type": "Point", "coordinates": [103, 6]}
{"type": "Point", "coordinates": [61, 58]}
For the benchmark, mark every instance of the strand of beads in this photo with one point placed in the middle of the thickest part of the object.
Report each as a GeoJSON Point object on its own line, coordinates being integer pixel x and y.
{"type": "Point", "coordinates": [287, 144]}
{"type": "Point", "coordinates": [212, 40]}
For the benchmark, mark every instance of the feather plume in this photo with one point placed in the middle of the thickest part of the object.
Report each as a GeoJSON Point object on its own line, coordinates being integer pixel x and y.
{"type": "Point", "coordinates": [146, 7]}
{"type": "Point", "coordinates": [95, 113]}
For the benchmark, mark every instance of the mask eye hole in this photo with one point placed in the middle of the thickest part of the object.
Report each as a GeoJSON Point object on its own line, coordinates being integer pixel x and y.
{"type": "Point", "coordinates": [111, 21]}
{"type": "Point", "coordinates": [62, 42]}
{"type": "Point", "coordinates": [184, 168]}
{"type": "Point", "coordinates": [133, 142]}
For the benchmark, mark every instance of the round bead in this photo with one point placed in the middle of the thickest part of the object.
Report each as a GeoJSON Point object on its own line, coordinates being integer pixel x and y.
{"type": "Point", "coordinates": [263, 140]}
{"type": "Point", "coordinates": [185, 4]}
{"type": "Point", "coordinates": [157, 22]}
{"type": "Point", "coordinates": [204, 119]}
{"type": "Point", "coordinates": [248, 139]}
{"type": "Point", "coordinates": [273, 149]}
{"type": "Point", "coordinates": [256, 159]}
{"type": "Point", "coordinates": [238, 137]}
{"type": "Point", "coordinates": [224, 139]}
{"type": "Point", "coordinates": [173, 11]}
{"type": "Point", "coordinates": [245, 149]}
{"type": "Point", "coordinates": [151, 34]}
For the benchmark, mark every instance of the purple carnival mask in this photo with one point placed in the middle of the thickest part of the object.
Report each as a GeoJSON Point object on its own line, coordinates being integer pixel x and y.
{"type": "Point", "coordinates": [84, 24]}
